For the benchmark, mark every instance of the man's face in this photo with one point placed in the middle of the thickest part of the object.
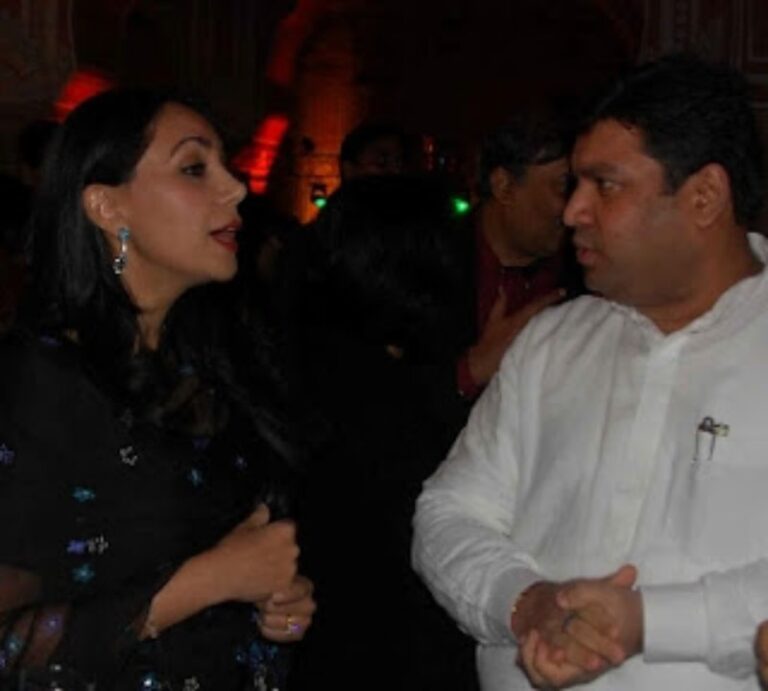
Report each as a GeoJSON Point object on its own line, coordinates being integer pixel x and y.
{"type": "Point", "coordinates": [534, 217]}
{"type": "Point", "coordinates": [382, 156]}
{"type": "Point", "coordinates": [632, 237]}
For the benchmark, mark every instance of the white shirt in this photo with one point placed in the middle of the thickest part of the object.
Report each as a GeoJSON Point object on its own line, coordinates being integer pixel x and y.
{"type": "Point", "coordinates": [579, 457]}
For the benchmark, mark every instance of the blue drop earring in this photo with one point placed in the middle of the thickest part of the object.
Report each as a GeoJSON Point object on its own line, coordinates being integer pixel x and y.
{"type": "Point", "coordinates": [121, 260]}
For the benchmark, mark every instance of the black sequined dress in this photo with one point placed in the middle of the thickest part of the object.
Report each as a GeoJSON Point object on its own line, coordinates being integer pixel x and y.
{"type": "Point", "coordinates": [97, 511]}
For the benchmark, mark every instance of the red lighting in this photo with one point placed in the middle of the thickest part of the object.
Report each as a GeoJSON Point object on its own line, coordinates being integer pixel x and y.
{"type": "Point", "coordinates": [81, 86]}
{"type": "Point", "coordinates": [257, 158]}
{"type": "Point", "coordinates": [289, 37]}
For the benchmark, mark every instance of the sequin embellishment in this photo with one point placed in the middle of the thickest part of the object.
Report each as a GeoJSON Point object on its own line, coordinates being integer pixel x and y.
{"type": "Point", "coordinates": [83, 574]}
{"type": "Point", "coordinates": [7, 455]}
{"type": "Point", "coordinates": [13, 645]}
{"type": "Point", "coordinates": [96, 545]}
{"type": "Point", "coordinates": [195, 477]}
{"type": "Point", "coordinates": [191, 684]}
{"type": "Point", "coordinates": [52, 623]}
{"type": "Point", "coordinates": [150, 682]}
{"type": "Point", "coordinates": [83, 494]}
{"type": "Point", "coordinates": [128, 456]}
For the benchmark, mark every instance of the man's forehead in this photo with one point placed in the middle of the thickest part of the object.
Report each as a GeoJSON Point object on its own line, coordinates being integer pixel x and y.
{"type": "Point", "coordinates": [555, 168]}
{"type": "Point", "coordinates": [608, 144]}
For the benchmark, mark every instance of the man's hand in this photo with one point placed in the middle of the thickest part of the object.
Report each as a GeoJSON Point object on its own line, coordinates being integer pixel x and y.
{"type": "Point", "coordinates": [563, 644]}
{"type": "Point", "coordinates": [614, 595]}
{"type": "Point", "coordinates": [500, 331]}
{"type": "Point", "coordinates": [761, 650]}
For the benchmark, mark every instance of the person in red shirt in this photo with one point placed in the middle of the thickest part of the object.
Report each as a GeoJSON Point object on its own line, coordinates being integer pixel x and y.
{"type": "Point", "coordinates": [516, 247]}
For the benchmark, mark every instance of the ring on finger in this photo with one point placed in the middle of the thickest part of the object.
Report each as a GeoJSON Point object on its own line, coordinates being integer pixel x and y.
{"type": "Point", "coordinates": [567, 620]}
{"type": "Point", "coordinates": [291, 625]}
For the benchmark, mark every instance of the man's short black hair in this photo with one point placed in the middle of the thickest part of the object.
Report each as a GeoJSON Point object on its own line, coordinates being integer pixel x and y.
{"type": "Point", "coordinates": [534, 137]}
{"type": "Point", "coordinates": [691, 113]}
{"type": "Point", "coordinates": [362, 136]}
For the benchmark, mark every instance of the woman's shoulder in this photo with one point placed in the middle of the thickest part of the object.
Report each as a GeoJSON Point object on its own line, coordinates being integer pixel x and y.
{"type": "Point", "coordinates": [22, 352]}
{"type": "Point", "coordinates": [39, 370]}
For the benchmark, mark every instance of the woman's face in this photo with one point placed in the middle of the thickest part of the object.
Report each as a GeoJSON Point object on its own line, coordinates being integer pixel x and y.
{"type": "Point", "coordinates": [181, 209]}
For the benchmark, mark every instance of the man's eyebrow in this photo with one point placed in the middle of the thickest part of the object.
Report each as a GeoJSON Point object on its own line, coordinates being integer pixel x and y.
{"type": "Point", "coordinates": [596, 170]}
{"type": "Point", "coordinates": [196, 138]}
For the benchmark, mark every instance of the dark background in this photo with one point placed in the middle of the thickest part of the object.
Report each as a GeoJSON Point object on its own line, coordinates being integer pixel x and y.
{"type": "Point", "coordinates": [448, 70]}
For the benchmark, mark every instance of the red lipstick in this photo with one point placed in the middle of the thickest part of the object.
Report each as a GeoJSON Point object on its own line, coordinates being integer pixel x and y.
{"type": "Point", "coordinates": [227, 236]}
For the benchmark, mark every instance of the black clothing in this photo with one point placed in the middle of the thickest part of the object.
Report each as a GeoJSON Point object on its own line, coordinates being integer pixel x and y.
{"type": "Point", "coordinates": [386, 423]}
{"type": "Point", "coordinates": [97, 511]}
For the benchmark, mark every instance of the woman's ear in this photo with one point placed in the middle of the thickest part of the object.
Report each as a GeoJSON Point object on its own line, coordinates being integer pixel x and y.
{"type": "Point", "coordinates": [100, 207]}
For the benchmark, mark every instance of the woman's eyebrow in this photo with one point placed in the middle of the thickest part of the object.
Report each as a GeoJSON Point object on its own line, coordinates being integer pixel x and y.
{"type": "Point", "coordinates": [196, 138]}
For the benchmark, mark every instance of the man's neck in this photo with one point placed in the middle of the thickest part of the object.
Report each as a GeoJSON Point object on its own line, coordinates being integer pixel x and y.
{"type": "Point", "coordinates": [497, 235]}
{"type": "Point", "coordinates": [726, 270]}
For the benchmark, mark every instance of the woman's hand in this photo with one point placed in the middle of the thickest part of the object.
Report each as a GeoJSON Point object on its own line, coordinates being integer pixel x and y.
{"type": "Point", "coordinates": [256, 559]}
{"type": "Point", "coordinates": [287, 615]}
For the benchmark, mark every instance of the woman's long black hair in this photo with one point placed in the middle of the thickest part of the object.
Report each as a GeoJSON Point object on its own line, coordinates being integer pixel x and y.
{"type": "Point", "coordinates": [382, 263]}
{"type": "Point", "coordinates": [76, 296]}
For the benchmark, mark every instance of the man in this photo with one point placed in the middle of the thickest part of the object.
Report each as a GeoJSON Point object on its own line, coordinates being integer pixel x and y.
{"type": "Point", "coordinates": [761, 648]}
{"type": "Point", "coordinates": [602, 517]}
{"type": "Point", "coordinates": [515, 266]}
{"type": "Point", "coordinates": [372, 148]}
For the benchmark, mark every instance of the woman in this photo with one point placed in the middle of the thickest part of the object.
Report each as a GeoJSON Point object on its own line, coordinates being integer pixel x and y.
{"type": "Point", "coordinates": [140, 461]}
{"type": "Point", "coordinates": [372, 293]}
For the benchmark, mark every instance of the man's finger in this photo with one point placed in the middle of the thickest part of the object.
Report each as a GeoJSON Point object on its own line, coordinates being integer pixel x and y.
{"type": "Point", "coordinates": [599, 646]}
{"type": "Point", "coordinates": [567, 648]}
{"type": "Point", "coordinates": [527, 658]}
{"type": "Point", "coordinates": [600, 619]}
{"type": "Point", "coordinates": [554, 673]}
{"type": "Point", "coordinates": [583, 593]}
{"type": "Point", "coordinates": [624, 577]}
{"type": "Point", "coordinates": [761, 643]}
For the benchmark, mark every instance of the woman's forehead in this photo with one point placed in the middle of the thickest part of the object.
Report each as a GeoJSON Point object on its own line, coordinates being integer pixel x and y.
{"type": "Point", "coordinates": [177, 124]}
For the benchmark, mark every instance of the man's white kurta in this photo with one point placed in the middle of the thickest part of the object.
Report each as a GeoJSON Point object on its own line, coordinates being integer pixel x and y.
{"type": "Point", "coordinates": [582, 456]}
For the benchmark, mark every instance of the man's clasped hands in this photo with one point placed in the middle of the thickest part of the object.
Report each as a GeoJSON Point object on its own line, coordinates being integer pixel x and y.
{"type": "Point", "coordinates": [572, 632]}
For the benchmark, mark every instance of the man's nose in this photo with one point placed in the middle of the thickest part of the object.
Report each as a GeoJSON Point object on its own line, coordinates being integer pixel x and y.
{"type": "Point", "coordinates": [578, 208]}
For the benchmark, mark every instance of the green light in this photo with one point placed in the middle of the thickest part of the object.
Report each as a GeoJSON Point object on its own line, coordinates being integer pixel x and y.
{"type": "Point", "coordinates": [320, 202]}
{"type": "Point", "coordinates": [460, 206]}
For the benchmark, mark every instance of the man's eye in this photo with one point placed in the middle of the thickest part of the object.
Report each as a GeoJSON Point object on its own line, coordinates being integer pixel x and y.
{"type": "Point", "coordinates": [196, 169]}
{"type": "Point", "coordinates": [606, 186]}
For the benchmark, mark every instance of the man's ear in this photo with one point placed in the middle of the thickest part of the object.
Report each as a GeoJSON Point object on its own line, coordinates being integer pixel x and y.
{"type": "Point", "coordinates": [503, 185]}
{"type": "Point", "coordinates": [100, 206]}
{"type": "Point", "coordinates": [710, 194]}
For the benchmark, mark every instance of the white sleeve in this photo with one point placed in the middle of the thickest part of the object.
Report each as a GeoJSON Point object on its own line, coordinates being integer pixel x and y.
{"type": "Point", "coordinates": [464, 516]}
{"type": "Point", "coordinates": [713, 620]}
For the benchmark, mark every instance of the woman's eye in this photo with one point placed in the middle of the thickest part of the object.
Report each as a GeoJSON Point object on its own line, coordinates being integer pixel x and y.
{"type": "Point", "coordinates": [196, 169]}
